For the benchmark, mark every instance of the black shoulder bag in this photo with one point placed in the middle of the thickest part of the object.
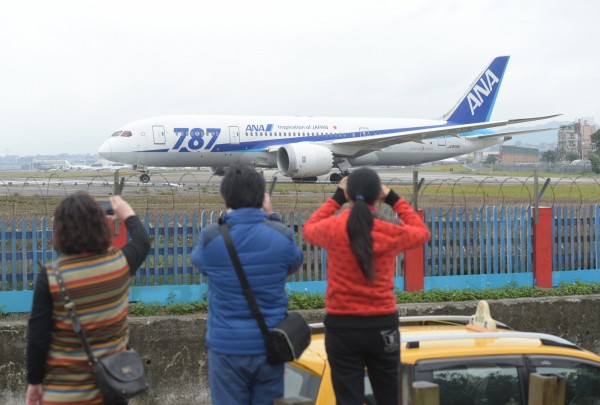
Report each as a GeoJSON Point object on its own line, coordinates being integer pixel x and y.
{"type": "Point", "coordinates": [120, 375]}
{"type": "Point", "coordinates": [288, 339]}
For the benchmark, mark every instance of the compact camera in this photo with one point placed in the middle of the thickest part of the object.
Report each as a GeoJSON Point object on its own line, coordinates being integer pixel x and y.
{"type": "Point", "coordinates": [107, 206]}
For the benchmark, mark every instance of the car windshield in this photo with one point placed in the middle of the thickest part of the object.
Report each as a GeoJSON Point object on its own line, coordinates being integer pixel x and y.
{"type": "Point", "coordinates": [300, 383]}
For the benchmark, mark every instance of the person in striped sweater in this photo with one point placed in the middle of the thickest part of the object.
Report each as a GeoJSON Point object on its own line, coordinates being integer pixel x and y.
{"type": "Point", "coordinates": [97, 277]}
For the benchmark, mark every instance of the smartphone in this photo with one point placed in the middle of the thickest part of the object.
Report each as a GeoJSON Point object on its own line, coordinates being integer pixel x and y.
{"type": "Point", "coordinates": [121, 185]}
{"type": "Point", "coordinates": [272, 186]}
{"type": "Point", "coordinates": [107, 206]}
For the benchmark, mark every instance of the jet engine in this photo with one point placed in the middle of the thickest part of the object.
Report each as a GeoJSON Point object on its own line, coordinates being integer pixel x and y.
{"type": "Point", "coordinates": [304, 160]}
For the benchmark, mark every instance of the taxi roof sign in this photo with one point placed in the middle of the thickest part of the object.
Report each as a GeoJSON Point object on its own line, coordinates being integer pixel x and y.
{"type": "Point", "coordinates": [482, 321]}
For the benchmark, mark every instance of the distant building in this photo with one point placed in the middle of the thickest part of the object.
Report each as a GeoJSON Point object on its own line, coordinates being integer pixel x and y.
{"type": "Point", "coordinates": [576, 139]}
{"type": "Point", "coordinates": [512, 155]}
{"type": "Point", "coordinates": [10, 163]}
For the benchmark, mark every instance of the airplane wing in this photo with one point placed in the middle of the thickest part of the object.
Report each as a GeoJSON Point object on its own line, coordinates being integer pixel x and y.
{"type": "Point", "coordinates": [378, 142]}
{"type": "Point", "coordinates": [509, 134]}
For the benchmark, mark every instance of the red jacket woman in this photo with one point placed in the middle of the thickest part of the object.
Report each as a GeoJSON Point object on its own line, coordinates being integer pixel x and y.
{"type": "Point", "coordinates": [362, 318]}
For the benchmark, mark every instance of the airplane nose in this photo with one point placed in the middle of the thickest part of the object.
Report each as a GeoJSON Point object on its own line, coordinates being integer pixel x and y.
{"type": "Point", "coordinates": [105, 150]}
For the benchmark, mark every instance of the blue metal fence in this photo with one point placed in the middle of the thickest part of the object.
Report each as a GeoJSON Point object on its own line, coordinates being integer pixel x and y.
{"type": "Point", "coordinates": [576, 237]}
{"type": "Point", "coordinates": [469, 247]}
{"type": "Point", "coordinates": [488, 240]}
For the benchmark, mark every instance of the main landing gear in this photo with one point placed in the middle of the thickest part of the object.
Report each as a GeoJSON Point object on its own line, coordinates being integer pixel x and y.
{"type": "Point", "coordinates": [344, 167]}
{"type": "Point", "coordinates": [335, 178]}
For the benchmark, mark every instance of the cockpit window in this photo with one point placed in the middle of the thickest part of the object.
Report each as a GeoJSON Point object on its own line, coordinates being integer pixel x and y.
{"type": "Point", "coordinates": [126, 133]}
{"type": "Point", "coordinates": [118, 133]}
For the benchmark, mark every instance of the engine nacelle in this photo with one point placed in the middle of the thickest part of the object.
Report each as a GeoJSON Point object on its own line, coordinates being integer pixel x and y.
{"type": "Point", "coordinates": [304, 160]}
{"type": "Point", "coordinates": [219, 171]}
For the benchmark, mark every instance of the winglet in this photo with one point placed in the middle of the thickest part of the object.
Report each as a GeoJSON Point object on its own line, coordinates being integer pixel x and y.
{"type": "Point", "coordinates": [477, 103]}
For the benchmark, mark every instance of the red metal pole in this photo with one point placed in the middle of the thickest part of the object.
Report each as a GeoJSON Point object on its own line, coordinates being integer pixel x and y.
{"type": "Point", "coordinates": [119, 232]}
{"type": "Point", "coordinates": [542, 248]}
{"type": "Point", "coordinates": [414, 267]}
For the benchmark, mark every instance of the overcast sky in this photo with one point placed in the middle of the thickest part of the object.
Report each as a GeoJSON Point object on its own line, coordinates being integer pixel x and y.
{"type": "Point", "coordinates": [72, 72]}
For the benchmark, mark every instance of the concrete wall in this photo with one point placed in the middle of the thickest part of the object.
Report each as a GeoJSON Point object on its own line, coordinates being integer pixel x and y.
{"type": "Point", "coordinates": [175, 354]}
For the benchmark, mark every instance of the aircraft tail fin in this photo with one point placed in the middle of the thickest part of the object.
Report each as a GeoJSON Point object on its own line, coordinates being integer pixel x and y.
{"type": "Point", "coordinates": [477, 103]}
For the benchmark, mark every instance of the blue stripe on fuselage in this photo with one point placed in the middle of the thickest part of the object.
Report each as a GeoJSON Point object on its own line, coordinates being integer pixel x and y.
{"type": "Point", "coordinates": [260, 145]}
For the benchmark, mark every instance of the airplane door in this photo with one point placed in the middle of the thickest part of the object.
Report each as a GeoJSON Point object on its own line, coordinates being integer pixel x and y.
{"type": "Point", "coordinates": [363, 131]}
{"type": "Point", "coordinates": [442, 141]}
{"type": "Point", "coordinates": [159, 134]}
{"type": "Point", "coordinates": [234, 135]}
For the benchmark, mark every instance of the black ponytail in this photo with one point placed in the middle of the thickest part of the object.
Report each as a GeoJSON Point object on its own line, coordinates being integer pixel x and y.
{"type": "Point", "coordinates": [359, 225]}
{"type": "Point", "coordinates": [363, 187]}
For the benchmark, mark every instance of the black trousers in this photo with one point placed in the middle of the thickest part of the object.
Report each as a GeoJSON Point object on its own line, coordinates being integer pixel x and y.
{"type": "Point", "coordinates": [351, 350]}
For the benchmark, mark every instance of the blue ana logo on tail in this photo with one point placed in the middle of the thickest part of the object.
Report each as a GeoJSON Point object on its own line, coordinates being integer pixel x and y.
{"type": "Point", "coordinates": [477, 103]}
{"type": "Point", "coordinates": [481, 90]}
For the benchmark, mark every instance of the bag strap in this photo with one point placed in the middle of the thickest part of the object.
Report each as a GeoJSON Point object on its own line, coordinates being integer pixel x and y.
{"type": "Point", "coordinates": [70, 307]}
{"type": "Point", "coordinates": [243, 280]}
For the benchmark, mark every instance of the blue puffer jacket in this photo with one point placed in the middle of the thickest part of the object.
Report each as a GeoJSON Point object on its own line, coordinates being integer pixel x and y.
{"type": "Point", "coordinates": [268, 255]}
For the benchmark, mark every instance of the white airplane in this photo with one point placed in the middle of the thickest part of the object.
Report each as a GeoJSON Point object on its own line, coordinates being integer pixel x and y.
{"type": "Point", "coordinates": [305, 147]}
{"type": "Point", "coordinates": [80, 166]}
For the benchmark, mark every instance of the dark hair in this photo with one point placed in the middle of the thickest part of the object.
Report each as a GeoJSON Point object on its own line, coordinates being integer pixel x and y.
{"type": "Point", "coordinates": [80, 226]}
{"type": "Point", "coordinates": [243, 187]}
{"type": "Point", "coordinates": [363, 187]}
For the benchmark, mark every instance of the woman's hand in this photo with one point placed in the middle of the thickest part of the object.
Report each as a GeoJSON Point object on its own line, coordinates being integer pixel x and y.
{"type": "Point", "coordinates": [342, 186]}
{"type": "Point", "coordinates": [385, 190]}
{"type": "Point", "coordinates": [34, 396]}
{"type": "Point", "coordinates": [343, 182]}
{"type": "Point", "coordinates": [122, 208]}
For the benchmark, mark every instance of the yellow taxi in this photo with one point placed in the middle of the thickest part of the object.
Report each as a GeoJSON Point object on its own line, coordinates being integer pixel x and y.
{"type": "Point", "coordinates": [473, 360]}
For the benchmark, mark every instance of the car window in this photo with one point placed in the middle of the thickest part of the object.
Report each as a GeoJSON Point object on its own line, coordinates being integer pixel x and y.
{"type": "Point", "coordinates": [475, 381]}
{"type": "Point", "coordinates": [582, 378]}
{"type": "Point", "coordinates": [300, 383]}
{"type": "Point", "coordinates": [478, 385]}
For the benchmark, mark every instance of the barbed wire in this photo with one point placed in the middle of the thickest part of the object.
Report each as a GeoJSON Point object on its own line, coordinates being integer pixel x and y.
{"type": "Point", "coordinates": [188, 191]}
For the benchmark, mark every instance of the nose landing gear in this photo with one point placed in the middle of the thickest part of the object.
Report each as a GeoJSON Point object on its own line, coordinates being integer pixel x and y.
{"type": "Point", "coordinates": [144, 177]}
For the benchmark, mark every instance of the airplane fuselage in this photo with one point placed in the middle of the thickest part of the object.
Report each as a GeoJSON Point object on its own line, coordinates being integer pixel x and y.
{"type": "Point", "coordinates": [214, 141]}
